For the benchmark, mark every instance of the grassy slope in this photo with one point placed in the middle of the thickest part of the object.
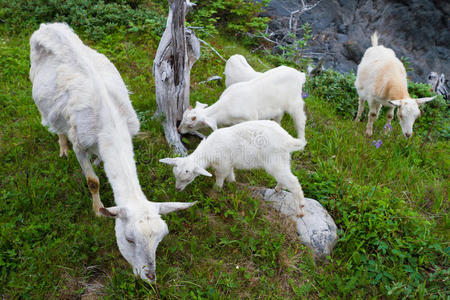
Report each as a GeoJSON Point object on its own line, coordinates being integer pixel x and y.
{"type": "Point", "coordinates": [229, 245]}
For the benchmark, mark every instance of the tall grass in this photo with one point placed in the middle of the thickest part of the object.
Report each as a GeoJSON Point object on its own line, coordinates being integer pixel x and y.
{"type": "Point", "coordinates": [390, 203]}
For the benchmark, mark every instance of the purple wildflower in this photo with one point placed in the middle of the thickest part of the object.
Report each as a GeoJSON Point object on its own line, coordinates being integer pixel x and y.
{"type": "Point", "coordinates": [376, 143]}
{"type": "Point", "coordinates": [305, 95]}
{"type": "Point", "coordinates": [387, 126]}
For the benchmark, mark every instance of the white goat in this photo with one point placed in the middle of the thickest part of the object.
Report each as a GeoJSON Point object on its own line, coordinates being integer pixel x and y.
{"type": "Point", "coordinates": [381, 80]}
{"type": "Point", "coordinates": [248, 145]}
{"type": "Point", "coordinates": [267, 97]}
{"type": "Point", "coordinates": [237, 69]}
{"type": "Point", "coordinates": [81, 95]}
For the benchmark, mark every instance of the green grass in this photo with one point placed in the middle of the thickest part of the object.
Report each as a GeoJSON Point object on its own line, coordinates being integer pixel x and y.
{"type": "Point", "coordinates": [390, 204]}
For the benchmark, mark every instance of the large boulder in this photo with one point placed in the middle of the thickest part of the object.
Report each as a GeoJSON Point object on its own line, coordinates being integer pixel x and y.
{"type": "Point", "coordinates": [316, 229]}
{"type": "Point", "coordinates": [417, 29]}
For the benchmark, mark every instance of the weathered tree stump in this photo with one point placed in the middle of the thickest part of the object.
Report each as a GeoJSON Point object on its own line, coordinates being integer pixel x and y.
{"type": "Point", "coordinates": [177, 52]}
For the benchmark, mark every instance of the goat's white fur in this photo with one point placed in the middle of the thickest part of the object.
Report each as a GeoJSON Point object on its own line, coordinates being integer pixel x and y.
{"type": "Point", "coordinates": [248, 145]}
{"type": "Point", "coordinates": [381, 81]}
{"type": "Point", "coordinates": [237, 69]}
{"type": "Point", "coordinates": [81, 95]}
{"type": "Point", "coordinates": [267, 97]}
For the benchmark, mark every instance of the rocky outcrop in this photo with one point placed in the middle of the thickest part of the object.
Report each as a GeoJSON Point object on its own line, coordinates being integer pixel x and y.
{"type": "Point", "coordinates": [417, 29]}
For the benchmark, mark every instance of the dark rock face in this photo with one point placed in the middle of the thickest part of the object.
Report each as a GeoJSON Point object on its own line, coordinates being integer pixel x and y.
{"type": "Point", "coordinates": [417, 29]}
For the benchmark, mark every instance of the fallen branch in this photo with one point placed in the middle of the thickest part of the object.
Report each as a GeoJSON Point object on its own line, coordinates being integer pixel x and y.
{"type": "Point", "coordinates": [212, 48]}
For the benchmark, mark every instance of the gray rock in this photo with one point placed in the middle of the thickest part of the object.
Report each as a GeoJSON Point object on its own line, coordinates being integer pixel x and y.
{"type": "Point", "coordinates": [316, 229]}
{"type": "Point", "coordinates": [417, 29]}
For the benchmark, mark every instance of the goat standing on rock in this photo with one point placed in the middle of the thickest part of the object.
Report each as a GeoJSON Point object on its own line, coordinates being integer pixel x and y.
{"type": "Point", "coordinates": [81, 95]}
{"type": "Point", "coordinates": [381, 81]}
{"type": "Point", "coordinates": [248, 145]}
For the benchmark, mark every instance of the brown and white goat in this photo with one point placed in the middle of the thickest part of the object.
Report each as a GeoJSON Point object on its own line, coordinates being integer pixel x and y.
{"type": "Point", "coordinates": [381, 81]}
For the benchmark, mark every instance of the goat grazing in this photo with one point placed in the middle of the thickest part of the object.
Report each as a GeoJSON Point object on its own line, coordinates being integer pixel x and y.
{"type": "Point", "coordinates": [381, 81]}
{"type": "Point", "coordinates": [266, 97]}
{"type": "Point", "coordinates": [237, 69]}
{"type": "Point", "coordinates": [248, 145]}
{"type": "Point", "coordinates": [81, 96]}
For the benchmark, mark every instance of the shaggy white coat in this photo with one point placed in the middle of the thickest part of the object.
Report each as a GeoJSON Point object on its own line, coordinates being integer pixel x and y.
{"type": "Point", "coordinates": [81, 95]}
{"type": "Point", "coordinates": [248, 145]}
{"type": "Point", "coordinates": [269, 96]}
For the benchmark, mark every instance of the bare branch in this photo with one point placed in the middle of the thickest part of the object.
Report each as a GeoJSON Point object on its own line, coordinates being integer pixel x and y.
{"type": "Point", "coordinates": [212, 48]}
{"type": "Point", "coordinates": [298, 12]}
{"type": "Point", "coordinates": [263, 36]}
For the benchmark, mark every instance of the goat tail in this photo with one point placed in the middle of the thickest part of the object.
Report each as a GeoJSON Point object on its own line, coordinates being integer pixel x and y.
{"type": "Point", "coordinates": [298, 144]}
{"type": "Point", "coordinates": [374, 39]}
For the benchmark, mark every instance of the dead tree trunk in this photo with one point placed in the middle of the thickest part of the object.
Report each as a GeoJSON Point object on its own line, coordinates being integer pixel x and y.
{"type": "Point", "coordinates": [178, 50]}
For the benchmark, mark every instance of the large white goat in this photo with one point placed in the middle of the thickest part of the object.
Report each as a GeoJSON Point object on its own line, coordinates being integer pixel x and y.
{"type": "Point", "coordinates": [248, 145]}
{"type": "Point", "coordinates": [381, 81]}
{"type": "Point", "coordinates": [237, 69]}
{"type": "Point", "coordinates": [266, 97]}
{"type": "Point", "coordinates": [81, 95]}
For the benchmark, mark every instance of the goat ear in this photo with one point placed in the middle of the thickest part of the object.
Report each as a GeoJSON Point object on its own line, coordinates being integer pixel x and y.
{"type": "Point", "coordinates": [211, 123]}
{"type": "Point", "coordinates": [202, 171]}
{"type": "Point", "coordinates": [113, 212]}
{"type": "Point", "coordinates": [421, 101]}
{"type": "Point", "coordinates": [200, 105]}
{"type": "Point", "coordinates": [169, 161]}
{"type": "Point", "coordinates": [190, 107]}
{"type": "Point", "coordinates": [442, 79]}
{"type": "Point", "coordinates": [396, 103]}
{"type": "Point", "coordinates": [168, 207]}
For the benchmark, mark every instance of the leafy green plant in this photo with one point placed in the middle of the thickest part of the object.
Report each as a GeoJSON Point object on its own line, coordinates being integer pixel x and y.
{"type": "Point", "coordinates": [96, 19]}
{"type": "Point", "coordinates": [337, 89]}
{"type": "Point", "coordinates": [231, 16]}
{"type": "Point", "coordinates": [407, 63]}
{"type": "Point", "coordinates": [292, 51]}
{"type": "Point", "coordinates": [434, 122]}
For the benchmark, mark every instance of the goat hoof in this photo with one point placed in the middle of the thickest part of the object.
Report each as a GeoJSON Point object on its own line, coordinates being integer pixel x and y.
{"type": "Point", "coordinates": [63, 152]}
{"type": "Point", "coordinates": [97, 211]}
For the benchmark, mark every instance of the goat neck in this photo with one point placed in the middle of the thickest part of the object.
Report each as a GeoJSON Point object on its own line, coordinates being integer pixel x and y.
{"type": "Point", "coordinates": [116, 151]}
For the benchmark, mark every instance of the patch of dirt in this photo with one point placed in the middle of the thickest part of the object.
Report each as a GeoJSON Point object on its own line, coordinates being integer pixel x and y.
{"type": "Point", "coordinates": [94, 283]}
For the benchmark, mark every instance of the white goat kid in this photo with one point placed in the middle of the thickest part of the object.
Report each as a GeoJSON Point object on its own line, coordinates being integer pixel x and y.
{"type": "Point", "coordinates": [381, 80]}
{"type": "Point", "coordinates": [81, 95]}
{"type": "Point", "coordinates": [266, 97]}
{"type": "Point", "coordinates": [237, 69]}
{"type": "Point", "coordinates": [248, 145]}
